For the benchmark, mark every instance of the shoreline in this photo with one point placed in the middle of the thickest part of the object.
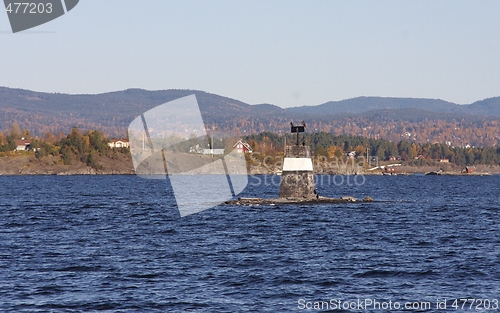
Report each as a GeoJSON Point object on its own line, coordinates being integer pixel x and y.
{"type": "Point", "coordinates": [28, 165]}
{"type": "Point", "coordinates": [249, 174]}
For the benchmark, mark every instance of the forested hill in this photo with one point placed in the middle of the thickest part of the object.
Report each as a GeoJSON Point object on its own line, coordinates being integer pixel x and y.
{"type": "Point", "coordinates": [421, 120]}
{"type": "Point", "coordinates": [111, 112]}
{"type": "Point", "coordinates": [487, 107]}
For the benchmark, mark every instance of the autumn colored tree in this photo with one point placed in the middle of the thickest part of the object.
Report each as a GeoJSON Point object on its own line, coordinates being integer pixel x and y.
{"type": "Point", "coordinates": [49, 138]}
{"type": "Point", "coordinates": [15, 131]}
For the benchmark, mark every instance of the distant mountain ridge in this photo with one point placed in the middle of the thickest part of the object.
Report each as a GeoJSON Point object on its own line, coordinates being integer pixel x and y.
{"type": "Point", "coordinates": [486, 107]}
{"type": "Point", "coordinates": [112, 112]}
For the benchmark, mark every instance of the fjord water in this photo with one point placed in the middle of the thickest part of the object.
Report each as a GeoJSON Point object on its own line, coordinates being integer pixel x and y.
{"type": "Point", "coordinates": [117, 244]}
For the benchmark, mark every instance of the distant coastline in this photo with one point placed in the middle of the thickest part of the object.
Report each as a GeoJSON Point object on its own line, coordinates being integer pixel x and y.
{"type": "Point", "coordinates": [51, 165]}
{"type": "Point", "coordinates": [19, 165]}
{"type": "Point", "coordinates": [394, 119]}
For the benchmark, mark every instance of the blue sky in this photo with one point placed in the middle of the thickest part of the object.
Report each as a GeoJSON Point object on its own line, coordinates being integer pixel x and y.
{"type": "Point", "coordinates": [288, 53]}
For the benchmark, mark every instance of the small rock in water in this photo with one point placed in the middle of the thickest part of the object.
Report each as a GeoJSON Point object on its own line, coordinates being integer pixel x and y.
{"type": "Point", "coordinates": [368, 199]}
{"type": "Point", "coordinates": [348, 198]}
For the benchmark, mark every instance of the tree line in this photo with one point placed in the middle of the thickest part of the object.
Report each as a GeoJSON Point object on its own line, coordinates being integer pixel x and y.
{"type": "Point", "coordinates": [74, 147]}
{"type": "Point", "coordinates": [78, 146]}
{"type": "Point", "coordinates": [413, 153]}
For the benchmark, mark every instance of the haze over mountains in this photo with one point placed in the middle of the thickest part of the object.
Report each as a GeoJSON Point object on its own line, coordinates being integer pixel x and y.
{"type": "Point", "coordinates": [391, 118]}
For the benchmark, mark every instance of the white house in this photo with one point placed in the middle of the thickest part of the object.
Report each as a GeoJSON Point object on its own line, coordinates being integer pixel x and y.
{"type": "Point", "coordinates": [351, 155]}
{"type": "Point", "coordinates": [119, 143]}
{"type": "Point", "coordinates": [200, 150]}
{"type": "Point", "coordinates": [213, 151]}
{"type": "Point", "coordinates": [23, 144]}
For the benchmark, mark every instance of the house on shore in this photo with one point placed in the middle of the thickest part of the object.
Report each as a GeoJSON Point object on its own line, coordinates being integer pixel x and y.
{"type": "Point", "coordinates": [393, 158]}
{"type": "Point", "coordinates": [119, 143]}
{"type": "Point", "coordinates": [23, 144]}
{"type": "Point", "coordinates": [469, 169]}
{"type": "Point", "coordinates": [214, 151]}
{"type": "Point", "coordinates": [390, 170]}
{"type": "Point", "coordinates": [351, 155]}
{"type": "Point", "coordinates": [199, 150]}
{"type": "Point", "coordinates": [242, 147]}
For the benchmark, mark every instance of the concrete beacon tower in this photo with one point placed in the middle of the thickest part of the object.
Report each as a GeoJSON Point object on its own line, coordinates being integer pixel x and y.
{"type": "Point", "coordinates": [297, 180]}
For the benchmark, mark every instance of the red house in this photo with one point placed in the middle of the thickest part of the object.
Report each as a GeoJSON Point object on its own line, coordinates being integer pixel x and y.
{"type": "Point", "coordinates": [242, 147]}
{"type": "Point", "coordinates": [470, 169]}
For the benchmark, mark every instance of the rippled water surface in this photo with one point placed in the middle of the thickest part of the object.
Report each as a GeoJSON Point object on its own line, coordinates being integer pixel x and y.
{"type": "Point", "coordinates": [117, 244]}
